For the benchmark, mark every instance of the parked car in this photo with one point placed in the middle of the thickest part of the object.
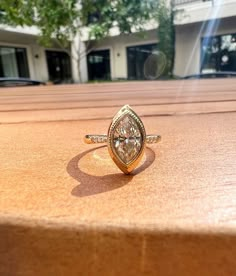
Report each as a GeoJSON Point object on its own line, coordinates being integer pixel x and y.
{"type": "Point", "coordinates": [9, 82]}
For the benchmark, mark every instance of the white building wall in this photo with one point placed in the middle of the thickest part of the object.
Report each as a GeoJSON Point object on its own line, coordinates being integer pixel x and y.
{"type": "Point", "coordinates": [117, 46]}
{"type": "Point", "coordinates": [36, 54]}
{"type": "Point", "coordinates": [27, 38]}
{"type": "Point", "coordinates": [15, 39]}
{"type": "Point", "coordinates": [188, 43]}
{"type": "Point", "coordinates": [187, 50]}
{"type": "Point", "coordinates": [200, 11]}
{"type": "Point", "coordinates": [40, 63]}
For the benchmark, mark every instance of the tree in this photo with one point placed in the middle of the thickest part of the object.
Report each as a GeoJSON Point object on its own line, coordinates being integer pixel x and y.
{"type": "Point", "coordinates": [166, 35]}
{"type": "Point", "coordinates": [61, 21]}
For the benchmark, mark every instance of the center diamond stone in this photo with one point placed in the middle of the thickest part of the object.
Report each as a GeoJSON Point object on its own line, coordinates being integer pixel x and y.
{"type": "Point", "coordinates": [127, 139]}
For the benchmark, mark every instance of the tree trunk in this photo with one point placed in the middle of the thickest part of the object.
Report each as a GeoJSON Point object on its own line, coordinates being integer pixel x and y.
{"type": "Point", "coordinates": [76, 74]}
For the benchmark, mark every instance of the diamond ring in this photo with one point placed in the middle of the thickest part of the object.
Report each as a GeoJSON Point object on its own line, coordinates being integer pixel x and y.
{"type": "Point", "coordinates": [126, 139]}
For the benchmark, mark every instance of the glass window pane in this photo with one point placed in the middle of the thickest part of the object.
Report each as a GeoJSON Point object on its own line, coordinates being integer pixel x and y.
{"type": "Point", "coordinates": [9, 63]}
{"type": "Point", "coordinates": [13, 62]}
{"type": "Point", "coordinates": [219, 54]}
{"type": "Point", "coordinates": [22, 63]}
{"type": "Point", "coordinates": [210, 54]}
{"type": "Point", "coordinates": [99, 65]}
{"type": "Point", "coordinates": [228, 53]}
{"type": "Point", "coordinates": [136, 56]}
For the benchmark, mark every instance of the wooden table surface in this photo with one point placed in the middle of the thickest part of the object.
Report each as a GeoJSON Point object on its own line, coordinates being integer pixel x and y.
{"type": "Point", "coordinates": [66, 209]}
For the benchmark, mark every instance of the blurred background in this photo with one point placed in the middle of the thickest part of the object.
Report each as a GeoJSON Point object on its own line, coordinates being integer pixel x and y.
{"type": "Point", "coordinates": [89, 41]}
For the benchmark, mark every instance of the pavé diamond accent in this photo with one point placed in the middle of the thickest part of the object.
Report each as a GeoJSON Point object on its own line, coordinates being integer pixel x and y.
{"type": "Point", "coordinates": [127, 139]}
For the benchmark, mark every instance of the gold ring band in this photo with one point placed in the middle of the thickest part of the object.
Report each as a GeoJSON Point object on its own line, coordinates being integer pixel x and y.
{"type": "Point", "coordinates": [126, 139]}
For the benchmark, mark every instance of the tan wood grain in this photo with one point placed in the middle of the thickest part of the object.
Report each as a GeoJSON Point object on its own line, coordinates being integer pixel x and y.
{"type": "Point", "coordinates": [65, 208]}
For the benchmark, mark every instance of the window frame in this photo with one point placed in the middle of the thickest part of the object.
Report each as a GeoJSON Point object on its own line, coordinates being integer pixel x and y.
{"type": "Point", "coordinates": [25, 50]}
{"type": "Point", "coordinates": [202, 58]}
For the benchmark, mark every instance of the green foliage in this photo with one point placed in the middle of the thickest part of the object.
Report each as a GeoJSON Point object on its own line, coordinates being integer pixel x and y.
{"type": "Point", "coordinates": [54, 18]}
{"type": "Point", "coordinates": [126, 15]}
{"type": "Point", "coordinates": [166, 35]}
{"type": "Point", "coordinates": [62, 19]}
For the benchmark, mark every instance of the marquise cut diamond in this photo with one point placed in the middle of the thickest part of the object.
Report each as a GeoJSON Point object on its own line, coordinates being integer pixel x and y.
{"type": "Point", "coordinates": [127, 139]}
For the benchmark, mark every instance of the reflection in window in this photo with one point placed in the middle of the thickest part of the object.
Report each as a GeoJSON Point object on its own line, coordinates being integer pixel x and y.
{"type": "Point", "coordinates": [136, 57]}
{"type": "Point", "coordinates": [218, 54]}
{"type": "Point", "coordinates": [95, 59]}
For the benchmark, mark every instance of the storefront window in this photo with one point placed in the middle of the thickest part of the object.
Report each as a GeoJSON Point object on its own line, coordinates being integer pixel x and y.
{"type": "Point", "coordinates": [99, 65]}
{"type": "Point", "coordinates": [219, 54]}
{"type": "Point", "coordinates": [136, 57]}
{"type": "Point", "coordinates": [13, 62]}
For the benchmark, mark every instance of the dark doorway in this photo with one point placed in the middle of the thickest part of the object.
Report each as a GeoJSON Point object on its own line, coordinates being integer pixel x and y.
{"type": "Point", "coordinates": [59, 67]}
{"type": "Point", "coordinates": [136, 57]}
{"type": "Point", "coordinates": [99, 65]}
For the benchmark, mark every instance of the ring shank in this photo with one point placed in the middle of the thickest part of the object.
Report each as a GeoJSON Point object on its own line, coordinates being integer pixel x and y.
{"type": "Point", "coordinates": [99, 139]}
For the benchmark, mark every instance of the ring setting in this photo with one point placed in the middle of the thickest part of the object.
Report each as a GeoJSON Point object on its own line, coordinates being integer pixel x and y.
{"type": "Point", "coordinates": [126, 139]}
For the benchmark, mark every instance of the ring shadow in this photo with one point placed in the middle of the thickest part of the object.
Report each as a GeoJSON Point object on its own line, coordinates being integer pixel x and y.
{"type": "Point", "coordinates": [91, 185]}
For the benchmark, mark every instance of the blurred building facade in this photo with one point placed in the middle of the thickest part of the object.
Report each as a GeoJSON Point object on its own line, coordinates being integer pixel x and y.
{"type": "Point", "coordinates": [205, 36]}
{"type": "Point", "coordinates": [22, 56]}
{"type": "Point", "coordinates": [205, 42]}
